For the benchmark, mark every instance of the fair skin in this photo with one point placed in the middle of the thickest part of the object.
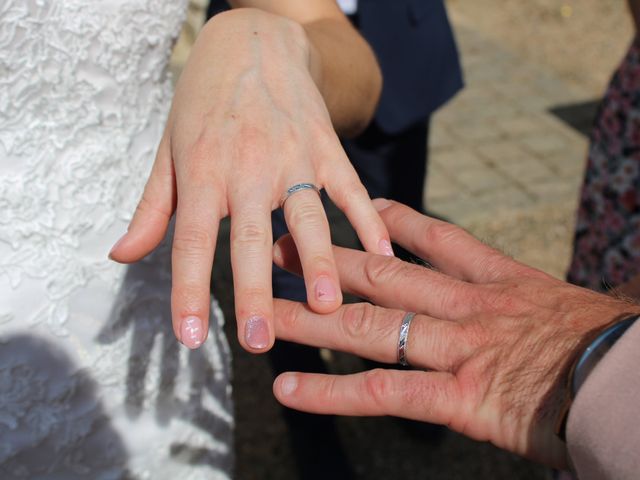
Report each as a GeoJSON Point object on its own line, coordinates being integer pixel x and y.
{"type": "Point", "coordinates": [491, 343]}
{"type": "Point", "coordinates": [256, 111]}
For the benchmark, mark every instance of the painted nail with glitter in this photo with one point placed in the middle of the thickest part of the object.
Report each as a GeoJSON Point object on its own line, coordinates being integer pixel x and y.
{"type": "Point", "coordinates": [385, 248]}
{"type": "Point", "coordinates": [191, 332]}
{"type": "Point", "coordinates": [326, 290]}
{"type": "Point", "coordinates": [256, 333]}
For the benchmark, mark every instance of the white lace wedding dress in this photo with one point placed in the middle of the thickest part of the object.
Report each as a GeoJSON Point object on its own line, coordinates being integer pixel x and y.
{"type": "Point", "coordinates": [93, 383]}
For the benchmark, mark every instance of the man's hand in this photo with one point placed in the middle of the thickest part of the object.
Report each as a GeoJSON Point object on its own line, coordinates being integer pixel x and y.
{"type": "Point", "coordinates": [492, 338]}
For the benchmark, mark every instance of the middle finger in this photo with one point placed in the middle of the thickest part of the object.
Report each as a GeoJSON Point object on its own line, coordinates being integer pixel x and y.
{"type": "Point", "coordinates": [251, 251]}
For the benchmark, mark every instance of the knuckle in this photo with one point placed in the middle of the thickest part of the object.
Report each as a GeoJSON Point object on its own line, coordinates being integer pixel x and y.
{"type": "Point", "coordinates": [146, 207]}
{"type": "Point", "coordinates": [473, 333]}
{"type": "Point", "coordinates": [291, 316]}
{"type": "Point", "coordinates": [320, 263]}
{"type": "Point", "coordinates": [306, 213]}
{"type": "Point", "coordinates": [251, 143]}
{"type": "Point", "coordinates": [201, 150]}
{"type": "Point", "coordinates": [441, 232]}
{"type": "Point", "coordinates": [350, 192]}
{"type": "Point", "coordinates": [357, 321]}
{"type": "Point", "coordinates": [193, 241]}
{"type": "Point", "coordinates": [329, 391]}
{"type": "Point", "coordinates": [378, 387]}
{"type": "Point", "coordinates": [380, 270]}
{"type": "Point", "coordinates": [250, 233]}
{"type": "Point", "coordinates": [502, 299]}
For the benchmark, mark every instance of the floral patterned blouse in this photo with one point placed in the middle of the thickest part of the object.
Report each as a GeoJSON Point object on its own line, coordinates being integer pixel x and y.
{"type": "Point", "coordinates": [607, 238]}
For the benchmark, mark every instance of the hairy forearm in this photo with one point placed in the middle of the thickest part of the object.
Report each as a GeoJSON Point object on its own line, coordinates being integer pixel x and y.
{"type": "Point", "coordinates": [631, 289]}
{"type": "Point", "coordinates": [341, 62]}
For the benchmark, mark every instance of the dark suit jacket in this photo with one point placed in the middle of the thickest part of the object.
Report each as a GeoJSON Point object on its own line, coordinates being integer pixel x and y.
{"type": "Point", "coordinates": [418, 57]}
{"type": "Point", "coordinates": [417, 54]}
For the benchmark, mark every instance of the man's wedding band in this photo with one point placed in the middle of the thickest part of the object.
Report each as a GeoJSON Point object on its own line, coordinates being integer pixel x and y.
{"type": "Point", "coordinates": [298, 187]}
{"type": "Point", "coordinates": [402, 340]}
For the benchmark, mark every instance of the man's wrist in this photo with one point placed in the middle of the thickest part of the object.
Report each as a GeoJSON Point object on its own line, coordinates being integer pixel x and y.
{"type": "Point", "coordinates": [591, 350]}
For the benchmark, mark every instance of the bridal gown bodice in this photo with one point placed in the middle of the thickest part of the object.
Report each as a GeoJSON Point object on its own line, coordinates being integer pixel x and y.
{"type": "Point", "coordinates": [93, 383]}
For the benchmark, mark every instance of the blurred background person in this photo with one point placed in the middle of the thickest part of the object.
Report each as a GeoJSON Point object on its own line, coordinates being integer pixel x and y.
{"type": "Point", "coordinates": [606, 251]}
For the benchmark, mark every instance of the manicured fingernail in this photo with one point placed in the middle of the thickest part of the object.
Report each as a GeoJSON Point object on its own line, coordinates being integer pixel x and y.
{"type": "Point", "coordinates": [116, 245]}
{"type": "Point", "coordinates": [288, 383]}
{"type": "Point", "coordinates": [381, 203]}
{"type": "Point", "coordinates": [191, 332]}
{"type": "Point", "coordinates": [326, 290]}
{"type": "Point", "coordinates": [256, 333]}
{"type": "Point", "coordinates": [385, 248]}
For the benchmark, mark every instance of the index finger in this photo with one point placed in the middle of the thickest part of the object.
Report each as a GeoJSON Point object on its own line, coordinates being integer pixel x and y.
{"type": "Point", "coordinates": [447, 247]}
{"type": "Point", "coordinates": [391, 282]}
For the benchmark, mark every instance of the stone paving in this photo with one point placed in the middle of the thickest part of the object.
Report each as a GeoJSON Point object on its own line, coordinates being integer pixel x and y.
{"type": "Point", "coordinates": [500, 164]}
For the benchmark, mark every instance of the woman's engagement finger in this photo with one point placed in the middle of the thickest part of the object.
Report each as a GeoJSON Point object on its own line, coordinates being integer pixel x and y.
{"type": "Point", "coordinates": [307, 222]}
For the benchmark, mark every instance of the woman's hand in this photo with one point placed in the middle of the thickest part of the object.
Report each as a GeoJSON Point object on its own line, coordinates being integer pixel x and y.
{"type": "Point", "coordinates": [247, 122]}
{"type": "Point", "coordinates": [492, 337]}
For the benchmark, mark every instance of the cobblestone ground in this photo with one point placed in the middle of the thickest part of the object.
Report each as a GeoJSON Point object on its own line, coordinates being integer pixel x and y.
{"type": "Point", "coordinates": [502, 166]}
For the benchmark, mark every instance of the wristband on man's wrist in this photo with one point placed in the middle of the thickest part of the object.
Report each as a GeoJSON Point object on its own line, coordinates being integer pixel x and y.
{"type": "Point", "coordinates": [595, 347]}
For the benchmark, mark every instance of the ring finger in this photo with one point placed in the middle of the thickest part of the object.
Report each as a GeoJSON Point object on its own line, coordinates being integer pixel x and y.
{"type": "Point", "coordinates": [373, 332]}
{"type": "Point", "coordinates": [307, 222]}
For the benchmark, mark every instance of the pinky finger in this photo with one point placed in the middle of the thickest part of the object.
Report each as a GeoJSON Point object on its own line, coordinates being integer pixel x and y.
{"type": "Point", "coordinates": [426, 396]}
{"type": "Point", "coordinates": [350, 196]}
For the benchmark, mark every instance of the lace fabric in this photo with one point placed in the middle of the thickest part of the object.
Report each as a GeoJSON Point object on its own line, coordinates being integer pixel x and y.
{"type": "Point", "coordinates": [92, 381]}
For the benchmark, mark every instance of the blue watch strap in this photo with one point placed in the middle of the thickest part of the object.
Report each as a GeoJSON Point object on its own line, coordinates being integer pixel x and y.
{"type": "Point", "coordinates": [586, 361]}
{"type": "Point", "coordinates": [596, 350]}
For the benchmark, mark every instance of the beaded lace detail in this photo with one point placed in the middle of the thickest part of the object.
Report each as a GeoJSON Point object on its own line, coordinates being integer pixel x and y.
{"type": "Point", "coordinates": [92, 381]}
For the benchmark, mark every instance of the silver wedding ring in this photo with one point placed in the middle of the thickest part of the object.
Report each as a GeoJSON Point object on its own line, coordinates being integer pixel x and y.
{"type": "Point", "coordinates": [402, 340]}
{"type": "Point", "coordinates": [298, 187]}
